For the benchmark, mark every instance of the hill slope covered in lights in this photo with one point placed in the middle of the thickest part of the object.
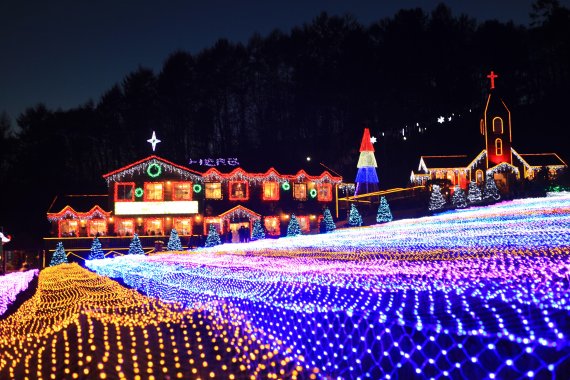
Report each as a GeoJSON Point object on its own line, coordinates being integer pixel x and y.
{"type": "Point", "coordinates": [481, 292]}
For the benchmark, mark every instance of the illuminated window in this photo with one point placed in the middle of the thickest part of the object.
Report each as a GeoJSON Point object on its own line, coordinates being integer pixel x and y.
{"type": "Point", "coordinates": [124, 227]}
{"type": "Point", "coordinates": [272, 225]}
{"type": "Point", "coordinates": [215, 221]}
{"type": "Point", "coordinates": [182, 191]}
{"type": "Point", "coordinates": [238, 190]}
{"type": "Point", "coordinates": [154, 226]}
{"type": "Point", "coordinates": [451, 176]}
{"type": "Point", "coordinates": [271, 191]}
{"type": "Point", "coordinates": [124, 191]}
{"type": "Point", "coordinates": [213, 190]}
{"type": "Point", "coordinates": [324, 192]}
{"type": "Point", "coordinates": [497, 125]}
{"type": "Point", "coordinates": [300, 191]}
{"type": "Point", "coordinates": [153, 191]}
{"type": "Point", "coordinates": [68, 228]}
{"type": "Point", "coordinates": [183, 226]}
{"type": "Point", "coordinates": [304, 223]}
{"type": "Point", "coordinates": [97, 227]}
{"type": "Point", "coordinates": [498, 147]}
{"type": "Point", "coordinates": [479, 176]}
{"type": "Point", "coordinates": [482, 126]}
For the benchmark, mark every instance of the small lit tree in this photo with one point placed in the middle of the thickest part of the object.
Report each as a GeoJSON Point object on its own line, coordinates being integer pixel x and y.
{"type": "Point", "coordinates": [354, 218]}
{"type": "Point", "coordinates": [473, 193]}
{"type": "Point", "coordinates": [257, 233]}
{"type": "Point", "coordinates": [59, 256]}
{"type": "Point", "coordinates": [490, 191]}
{"type": "Point", "coordinates": [174, 243]}
{"type": "Point", "coordinates": [135, 248]}
{"type": "Point", "coordinates": [96, 252]}
{"type": "Point", "coordinates": [213, 237]}
{"type": "Point", "coordinates": [458, 200]}
{"type": "Point", "coordinates": [293, 229]}
{"type": "Point", "coordinates": [384, 214]}
{"type": "Point", "coordinates": [328, 221]}
{"type": "Point", "coordinates": [436, 200]}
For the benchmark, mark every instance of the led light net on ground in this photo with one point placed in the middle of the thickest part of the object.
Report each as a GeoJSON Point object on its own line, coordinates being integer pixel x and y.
{"type": "Point", "coordinates": [472, 294]}
{"type": "Point", "coordinates": [13, 284]}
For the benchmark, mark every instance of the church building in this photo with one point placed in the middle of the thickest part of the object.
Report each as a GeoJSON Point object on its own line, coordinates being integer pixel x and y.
{"type": "Point", "coordinates": [497, 160]}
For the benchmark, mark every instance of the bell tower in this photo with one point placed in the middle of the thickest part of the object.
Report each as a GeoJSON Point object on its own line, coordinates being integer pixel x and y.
{"type": "Point", "coordinates": [495, 127]}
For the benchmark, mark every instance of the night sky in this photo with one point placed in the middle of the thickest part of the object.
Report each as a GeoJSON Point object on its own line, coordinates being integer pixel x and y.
{"type": "Point", "coordinates": [65, 53]}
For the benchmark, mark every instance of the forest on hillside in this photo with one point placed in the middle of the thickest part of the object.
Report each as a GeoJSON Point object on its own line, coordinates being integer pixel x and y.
{"type": "Point", "coordinates": [305, 92]}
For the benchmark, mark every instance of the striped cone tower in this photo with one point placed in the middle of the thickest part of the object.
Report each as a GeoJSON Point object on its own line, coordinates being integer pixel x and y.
{"type": "Point", "coordinates": [366, 177]}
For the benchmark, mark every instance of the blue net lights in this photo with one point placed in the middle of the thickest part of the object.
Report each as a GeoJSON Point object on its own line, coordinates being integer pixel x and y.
{"type": "Point", "coordinates": [476, 293]}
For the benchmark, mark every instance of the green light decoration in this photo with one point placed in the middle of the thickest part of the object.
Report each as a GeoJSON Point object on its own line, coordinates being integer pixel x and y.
{"type": "Point", "coordinates": [286, 186]}
{"type": "Point", "coordinates": [313, 193]}
{"type": "Point", "coordinates": [154, 170]}
{"type": "Point", "coordinates": [139, 192]}
{"type": "Point", "coordinates": [197, 188]}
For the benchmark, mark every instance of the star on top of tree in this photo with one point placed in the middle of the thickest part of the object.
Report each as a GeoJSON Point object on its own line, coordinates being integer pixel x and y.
{"type": "Point", "coordinates": [440, 119]}
{"type": "Point", "coordinates": [373, 139]}
{"type": "Point", "coordinates": [153, 140]}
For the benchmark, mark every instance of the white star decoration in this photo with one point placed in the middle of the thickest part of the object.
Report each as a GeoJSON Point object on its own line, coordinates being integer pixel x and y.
{"type": "Point", "coordinates": [373, 139]}
{"type": "Point", "coordinates": [153, 140]}
{"type": "Point", "coordinates": [440, 119]}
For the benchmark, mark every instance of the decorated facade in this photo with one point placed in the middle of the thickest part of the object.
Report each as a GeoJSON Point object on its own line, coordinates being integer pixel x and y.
{"type": "Point", "coordinates": [497, 160]}
{"type": "Point", "coordinates": [152, 196]}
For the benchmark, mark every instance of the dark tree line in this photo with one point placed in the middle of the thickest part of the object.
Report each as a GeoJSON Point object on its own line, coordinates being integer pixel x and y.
{"type": "Point", "coordinates": [281, 97]}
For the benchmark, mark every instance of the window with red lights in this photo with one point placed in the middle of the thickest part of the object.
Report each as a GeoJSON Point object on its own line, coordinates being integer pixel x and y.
{"type": "Point", "coordinates": [68, 228]}
{"type": "Point", "coordinates": [270, 191]}
{"type": "Point", "coordinates": [97, 227]}
{"type": "Point", "coordinates": [153, 191]}
{"type": "Point", "coordinates": [479, 176]}
{"type": "Point", "coordinates": [124, 227]}
{"type": "Point", "coordinates": [213, 190]}
{"type": "Point", "coordinates": [304, 223]}
{"type": "Point", "coordinates": [239, 190]}
{"type": "Point", "coordinates": [183, 226]}
{"type": "Point", "coordinates": [124, 191]}
{"type": "Point", "coordinates": [272, 225]}
{"type": "Point", "coordinates": [216, 221]}
{"type": "Point", "coordinates": [300, 191]}
{"type": "Point", "coordinates": [324, 192]}
{"type": "Point", "coordinates": [182, 191]}
{"type": "Point", "coordinates": [498, 147]}
{"type": "Point", "coordinates": [154, 226]}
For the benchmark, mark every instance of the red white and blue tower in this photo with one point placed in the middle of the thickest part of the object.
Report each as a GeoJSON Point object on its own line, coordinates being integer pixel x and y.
{"type": "Point", "coordinates": [366, 177]}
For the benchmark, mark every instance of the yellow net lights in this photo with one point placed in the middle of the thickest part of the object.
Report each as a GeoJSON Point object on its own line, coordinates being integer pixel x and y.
{"type": "Point", "coordinates": [81, 325]}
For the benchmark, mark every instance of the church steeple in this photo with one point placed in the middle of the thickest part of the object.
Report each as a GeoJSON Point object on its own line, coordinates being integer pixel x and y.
{"type": "Point", "coordinates": [495, 126]}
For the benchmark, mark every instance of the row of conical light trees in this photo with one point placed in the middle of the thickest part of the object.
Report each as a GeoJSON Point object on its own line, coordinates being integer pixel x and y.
{"type": "Point", "coordinates": [460, 199]}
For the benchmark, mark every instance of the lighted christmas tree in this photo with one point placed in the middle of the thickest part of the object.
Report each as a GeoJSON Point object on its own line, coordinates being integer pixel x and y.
{"type": "Point", "coordinates": [96, 252]}
{"type": "Point", "coordinates": [490, 191]}
{"type": "Point", "coordinates": [436, 200]}
{"type": "Point", "coordinates": [366, 177]}
{"type": "Point", "coordinates": [354, 218]}
{"type": "Point", "coordinates": [257, 233]}
{"type": "Point", "coordinates": [458, 200]}
{"type": "Point", "coordinates": [328, 220]}
{"type": "Point", "coordinates": [59, 256]}
{"type": "Point", "coordinates": [384, 214]}
{"type": "Point", "coordinates": [174, 243]}
{"type": "Point", "coordinates": [135, 248]}
{"type": "Point", "coordinates": [213, 237]}
{"type": "Point", "coordinates": [473, 193]}
{"type": "Point", "coordinates": [293, 229]}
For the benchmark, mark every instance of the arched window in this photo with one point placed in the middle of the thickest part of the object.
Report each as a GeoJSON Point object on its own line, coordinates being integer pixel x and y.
{"type": "Point", "coordinates": [497, 125]}
{"type": "Point", "coordinates": [482, 126]}
{"type": "Point", "coordinates": [479, 176]}
{"type": "Point", "coordinates": [498, 147]}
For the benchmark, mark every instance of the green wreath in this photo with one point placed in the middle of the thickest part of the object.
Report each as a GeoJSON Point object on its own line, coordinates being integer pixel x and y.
{"type": "Point", "coordinates": [313, 193]}
{"type": "Point", "coordinates": [154, 170]}
{"type": "Point", "coordinates": [139, 192]}
{"type": "Point", "coordinates": [197, 188]}
{"type": "Point", "coordinates": [286, 186]}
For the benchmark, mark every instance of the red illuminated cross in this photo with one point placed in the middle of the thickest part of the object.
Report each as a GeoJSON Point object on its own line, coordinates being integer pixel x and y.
{"type": "Point", "coordinates": [492, 76]}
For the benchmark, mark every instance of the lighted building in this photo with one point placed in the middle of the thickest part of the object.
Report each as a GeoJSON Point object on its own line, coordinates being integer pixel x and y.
{"type": "Point", "coordinates": [152, 196]}
{"type": "Point", "coordinates": [498, 159]}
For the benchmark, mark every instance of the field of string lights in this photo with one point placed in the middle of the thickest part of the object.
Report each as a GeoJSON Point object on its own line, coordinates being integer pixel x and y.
{"type": "Point", "coordinates": [478, 293]}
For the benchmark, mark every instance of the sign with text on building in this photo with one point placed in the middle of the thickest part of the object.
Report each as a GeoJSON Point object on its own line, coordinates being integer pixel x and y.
{"type": "Point", "coordinates": [156, 208]}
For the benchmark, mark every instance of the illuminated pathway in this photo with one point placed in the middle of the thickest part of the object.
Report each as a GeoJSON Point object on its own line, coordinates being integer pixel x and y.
{"type": "Point", "coordinates": [480, 293]}
{"type": "Point", "coordinates": [81, 325]}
